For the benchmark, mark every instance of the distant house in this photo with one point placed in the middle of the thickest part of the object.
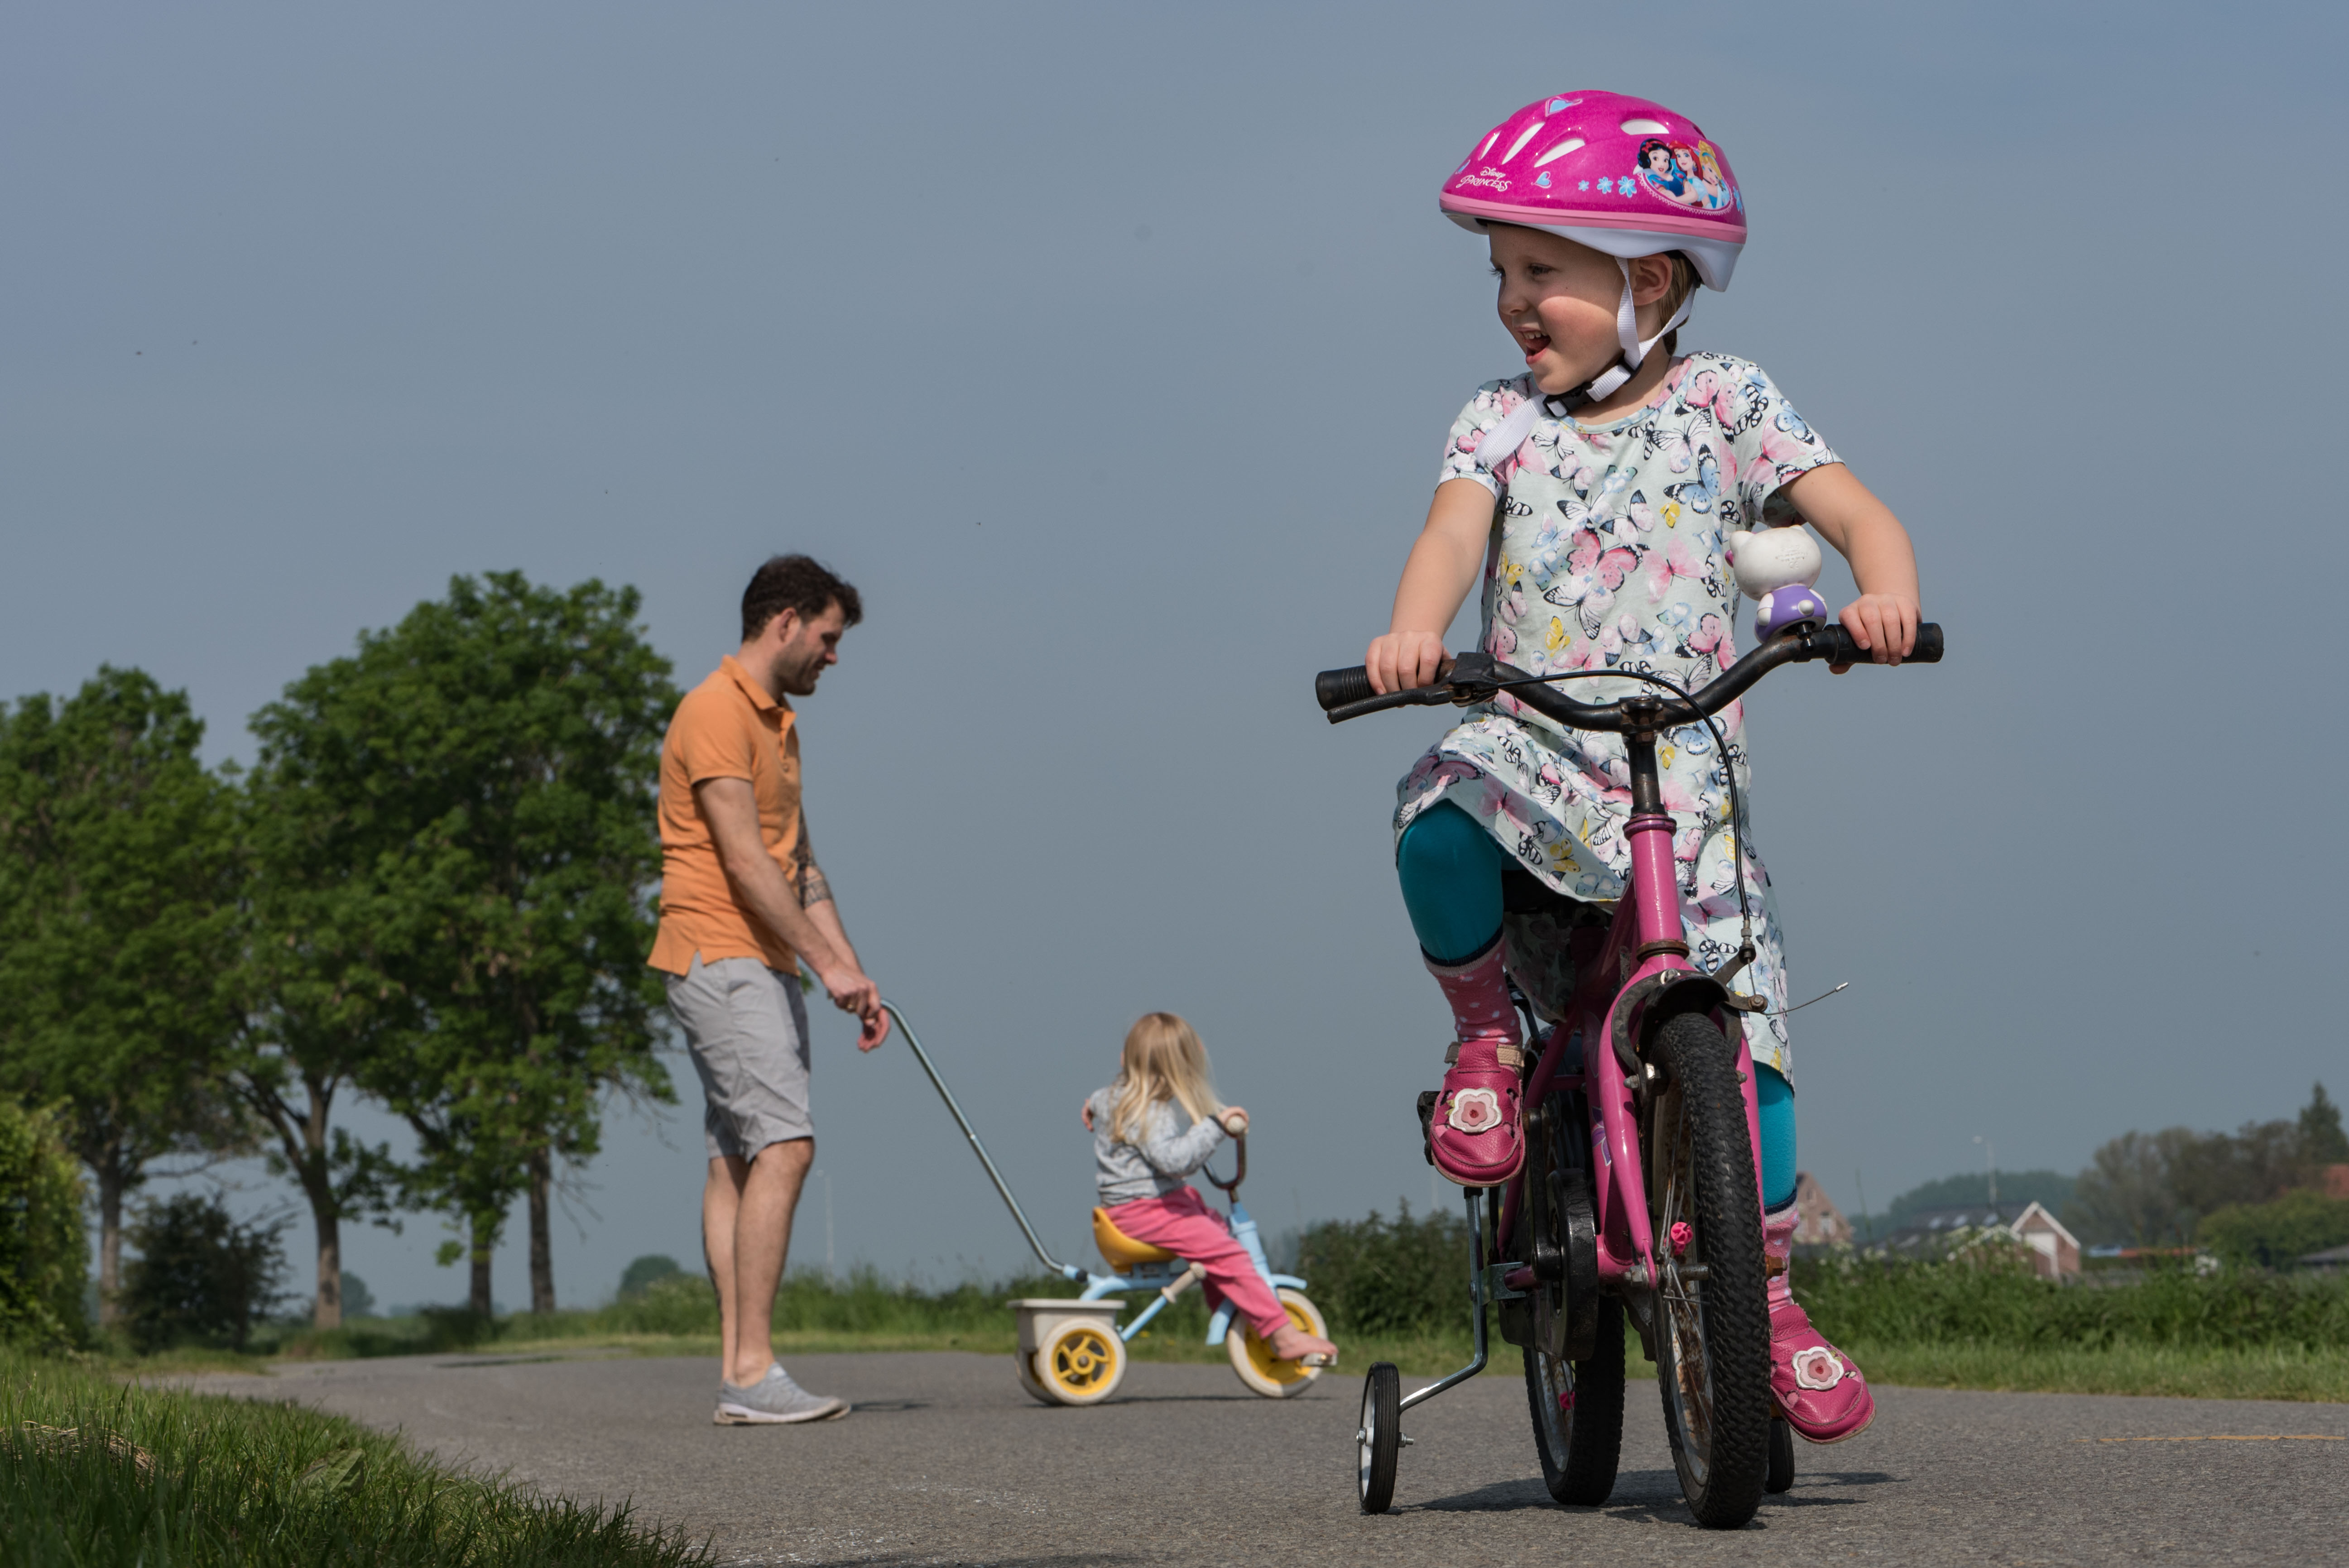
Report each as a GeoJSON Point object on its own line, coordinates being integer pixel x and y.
{"type": "Point", "coordinates": [1930, 1232]}
{"type": "Point", "coordinates": [2043, 1234]}
{"type": "Point", "coordinates": [1817, 1222]}
{"type": "Point", "coordinates": [2335, 1180]}
{"type": "Point", "coordinates": [2332, 1260]}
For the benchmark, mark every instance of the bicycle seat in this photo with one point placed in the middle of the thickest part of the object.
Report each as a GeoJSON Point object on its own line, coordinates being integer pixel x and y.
{"type": "Point", "coordinates": [1123, 1252]}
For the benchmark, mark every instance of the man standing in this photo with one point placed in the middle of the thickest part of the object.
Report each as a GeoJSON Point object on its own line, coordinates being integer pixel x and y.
{"type": "Point", "coordinates": [744, 905]}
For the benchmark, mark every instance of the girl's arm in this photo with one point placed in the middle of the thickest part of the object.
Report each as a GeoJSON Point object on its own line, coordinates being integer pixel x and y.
{"type": "Point", "coordinates": [1442, 567]}
{"type": "Point", "coordinates": [1883, 619]}
{"type": "Point", "coordinates": [1172, 1153]}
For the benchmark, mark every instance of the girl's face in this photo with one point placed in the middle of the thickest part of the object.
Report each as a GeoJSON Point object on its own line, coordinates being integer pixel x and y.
{"type": "Point", "coordinates": [1557, 299]}
{"type": "Point", "coordinates": [1658, 159]}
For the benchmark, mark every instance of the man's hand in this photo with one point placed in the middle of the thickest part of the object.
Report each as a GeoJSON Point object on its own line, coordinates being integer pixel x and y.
{"type": "Point", "coordinates": [1883, 624]}
{"type": "Point", "coordinates": [852, 991]}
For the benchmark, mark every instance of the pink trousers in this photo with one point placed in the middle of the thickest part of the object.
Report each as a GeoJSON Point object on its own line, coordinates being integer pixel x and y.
{"type": "Point", "coordinates": [1182, 1222]}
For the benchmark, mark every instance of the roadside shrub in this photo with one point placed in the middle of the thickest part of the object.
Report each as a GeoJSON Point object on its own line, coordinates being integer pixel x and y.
{"type": "Point", "coordinates": [44, 1252]}
{"type": "Point", "coordinates": [674, 1303]}
{"type": "Point", "coordinates": [200, 1276]}
{"type": "Point", "coordinates": [2276, 1235]}
{"type": "Point", "coordinates": [1404, 1276]}
{"type": "Point", "coordinates": [642, 1273]}
{"type": "Point", "coordinates": [1949, 1303]}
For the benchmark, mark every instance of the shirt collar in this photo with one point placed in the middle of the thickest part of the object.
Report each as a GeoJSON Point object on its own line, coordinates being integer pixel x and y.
{"type": "Point", "coordinates": [758, 695]}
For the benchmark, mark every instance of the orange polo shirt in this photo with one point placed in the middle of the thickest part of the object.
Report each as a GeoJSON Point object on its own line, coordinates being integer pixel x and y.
{"type": "Point", "coordinates": [726, 727]}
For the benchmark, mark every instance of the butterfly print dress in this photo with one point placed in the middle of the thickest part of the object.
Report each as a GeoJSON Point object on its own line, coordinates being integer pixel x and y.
{"type": "Point", "coordinates": [1607, 553]}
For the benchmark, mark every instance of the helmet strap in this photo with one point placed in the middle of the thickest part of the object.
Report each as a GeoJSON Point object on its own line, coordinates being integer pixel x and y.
{"type": "Point", "coordinates": [1501, 442]}
{"type": "Point", "coordinates": [1627, 333]}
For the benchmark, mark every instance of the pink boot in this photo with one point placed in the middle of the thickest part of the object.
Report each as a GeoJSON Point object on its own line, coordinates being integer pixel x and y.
{"type": "Point", "coordinates": [1820, 1391]}
{"type": "Point", "coordinates": [1473, 1130]}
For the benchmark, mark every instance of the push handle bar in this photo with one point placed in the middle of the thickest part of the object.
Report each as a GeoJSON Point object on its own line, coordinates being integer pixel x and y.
{"type": "Point", "coordinates": [979, 1149]}
{"type": "Point", "coordinates": [1474, 677]}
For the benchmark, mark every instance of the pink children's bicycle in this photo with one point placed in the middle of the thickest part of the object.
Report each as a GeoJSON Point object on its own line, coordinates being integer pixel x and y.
{"type": "Point", "coordinates": [1639, 1191]}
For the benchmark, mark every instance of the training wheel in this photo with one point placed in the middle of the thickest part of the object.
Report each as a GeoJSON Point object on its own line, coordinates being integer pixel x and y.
{"type": "Point", "coordinates": [1252, 1356]}
{"type": "Point", "coordinates": [1380, 1438]}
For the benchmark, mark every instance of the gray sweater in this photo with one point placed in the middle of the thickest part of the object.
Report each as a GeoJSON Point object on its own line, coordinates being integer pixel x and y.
{"type": "Point", "coordinates": [1158, 1164]}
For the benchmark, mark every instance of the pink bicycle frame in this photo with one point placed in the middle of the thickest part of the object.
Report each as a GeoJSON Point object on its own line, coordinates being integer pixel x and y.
{"type": "Point", "coordinates": [1646, 938]}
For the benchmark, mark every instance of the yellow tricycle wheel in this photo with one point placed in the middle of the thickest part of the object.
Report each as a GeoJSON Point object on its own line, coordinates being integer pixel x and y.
{"type": "Point", "coordinates": [1081, 1364]}
{"type": "Point", "coordinates": [1253, 1360]}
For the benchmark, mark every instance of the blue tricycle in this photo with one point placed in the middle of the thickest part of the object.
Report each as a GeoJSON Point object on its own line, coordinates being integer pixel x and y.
{"type": "Point", "coordinates": [1072, 1349]}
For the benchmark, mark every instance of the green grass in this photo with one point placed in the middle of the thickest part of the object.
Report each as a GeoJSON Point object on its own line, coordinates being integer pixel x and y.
{"type": "Point", "coordinates": [95, 1474]}
{"type": "Point", "coordinates": [2193, 1372]}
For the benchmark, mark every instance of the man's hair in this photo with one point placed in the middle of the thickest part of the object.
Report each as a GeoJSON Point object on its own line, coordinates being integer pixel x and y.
{"type": "Point", "coordinates": [796, 582]}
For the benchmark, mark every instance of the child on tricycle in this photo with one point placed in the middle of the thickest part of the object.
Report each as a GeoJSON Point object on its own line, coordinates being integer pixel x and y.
{"type": "Point", "coordinates": [1143, 1156]}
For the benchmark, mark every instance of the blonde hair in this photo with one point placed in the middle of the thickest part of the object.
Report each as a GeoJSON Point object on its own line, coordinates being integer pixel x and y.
{"type": "Point", "coordinates": [1162, 1060]}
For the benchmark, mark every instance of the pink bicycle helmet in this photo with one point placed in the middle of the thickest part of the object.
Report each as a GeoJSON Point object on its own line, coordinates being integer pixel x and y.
{"type": "Point", "coordinates": [1622, 175]}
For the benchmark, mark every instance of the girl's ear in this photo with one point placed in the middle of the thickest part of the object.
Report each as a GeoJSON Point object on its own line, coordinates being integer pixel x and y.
{"type": "Point", "coordinates": [1652, 279]}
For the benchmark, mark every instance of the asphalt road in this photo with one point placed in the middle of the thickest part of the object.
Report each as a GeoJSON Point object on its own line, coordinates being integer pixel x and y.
{"type": "Point", "coordinates": [945, 1461]}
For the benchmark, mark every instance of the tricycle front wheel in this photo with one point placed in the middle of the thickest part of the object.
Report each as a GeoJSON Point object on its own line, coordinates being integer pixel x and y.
{"type": "Point", "coordinates": [1253, 1360]}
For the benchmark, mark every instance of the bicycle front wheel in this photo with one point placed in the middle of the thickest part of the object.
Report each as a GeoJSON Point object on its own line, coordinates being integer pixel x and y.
{"type": "Point", "coordinates": [1712, 1306]}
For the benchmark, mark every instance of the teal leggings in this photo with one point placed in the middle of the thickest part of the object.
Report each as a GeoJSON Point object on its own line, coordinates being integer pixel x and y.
{"type": "Point", "coordinates": [1450, 873]}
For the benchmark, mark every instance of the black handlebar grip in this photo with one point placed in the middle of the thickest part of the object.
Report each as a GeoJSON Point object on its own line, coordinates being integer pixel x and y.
{"type": "Point", "coordinates": [1835, 645]}
{"type": "Point", "coordinates": [1336, 689]}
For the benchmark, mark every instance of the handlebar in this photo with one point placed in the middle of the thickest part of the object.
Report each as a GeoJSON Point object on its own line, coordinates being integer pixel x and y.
{"type": "Point", "coordinates": [1476, 676]}
{"type": "Point", "coordinates": [1231, 1188]}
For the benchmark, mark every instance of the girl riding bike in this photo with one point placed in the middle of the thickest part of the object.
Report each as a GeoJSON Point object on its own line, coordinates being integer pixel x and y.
{"type": "Point", "coordinates": [1595, 493]}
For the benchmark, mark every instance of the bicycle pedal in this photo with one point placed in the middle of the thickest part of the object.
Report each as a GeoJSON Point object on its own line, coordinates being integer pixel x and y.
{"type": "Point", "coordinates": [1427, 1098]}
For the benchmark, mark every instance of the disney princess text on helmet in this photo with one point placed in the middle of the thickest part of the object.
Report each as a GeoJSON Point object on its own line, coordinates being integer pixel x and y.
{"type": "Point", "coordinates": [1622, 175]}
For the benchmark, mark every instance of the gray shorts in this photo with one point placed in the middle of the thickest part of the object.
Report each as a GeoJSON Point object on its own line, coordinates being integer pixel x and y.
{"type": "Point", "coordinates": [746, 1028]}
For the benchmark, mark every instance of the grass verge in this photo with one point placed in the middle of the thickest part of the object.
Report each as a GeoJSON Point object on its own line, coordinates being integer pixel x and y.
{"type": "Point", "coordinates": [95, 1474]}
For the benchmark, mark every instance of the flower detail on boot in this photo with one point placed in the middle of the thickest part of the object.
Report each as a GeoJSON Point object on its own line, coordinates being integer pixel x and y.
{"type": "Point", "coordinates": [1817, 1367]}
{"type": "Point", "coordinates": [1817, 1388]}
{"type": "Point", "coordinates": [1473, 1133]}
{"type": "Point", "coordinates": [1475, 1110]}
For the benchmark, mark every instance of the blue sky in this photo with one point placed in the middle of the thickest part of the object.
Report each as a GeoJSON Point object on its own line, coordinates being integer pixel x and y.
{"type": "Point", "coordinates": [1109, 350]}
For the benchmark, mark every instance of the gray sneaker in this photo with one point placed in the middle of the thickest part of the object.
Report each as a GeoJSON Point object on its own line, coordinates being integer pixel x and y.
{"type": "Point", "coordinates": [774, 1400]}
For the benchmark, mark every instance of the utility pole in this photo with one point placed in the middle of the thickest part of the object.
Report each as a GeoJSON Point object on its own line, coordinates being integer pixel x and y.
{"type": "Point", "coordinates": [828, 1274]}
{"type": "Point", "coordinates": [1990, 1153]}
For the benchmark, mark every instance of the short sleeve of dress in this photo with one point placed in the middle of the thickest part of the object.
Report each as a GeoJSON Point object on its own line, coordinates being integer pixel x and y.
{"type": "Point", "coordinates": [1774, 446]}
{"type": "Point", "coordinates": [1484, 411]}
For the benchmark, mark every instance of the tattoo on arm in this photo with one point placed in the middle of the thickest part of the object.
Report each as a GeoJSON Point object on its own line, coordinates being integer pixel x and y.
{"type": "Point", "coordinates": [813, 889]}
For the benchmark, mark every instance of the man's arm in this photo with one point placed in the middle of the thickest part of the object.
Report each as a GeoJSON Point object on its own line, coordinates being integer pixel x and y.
{"type": "Point", "coordinates": [732, 811]}
{"type": "Point", "coordinates": [820, 908]}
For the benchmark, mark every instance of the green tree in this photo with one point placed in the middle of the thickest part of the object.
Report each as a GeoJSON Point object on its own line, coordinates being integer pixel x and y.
{"type": "Point", "coordinates": [119, 921]}
{"type": "Point", "coordinates": [495, 758]}
{"type": "Point", "coordinates": [2276, 1235]}
{"type": "Point", "coordinates": [320, 997]}
{"type": "Point", "coordinates": [44, 1250]}
{"type": "Point", "coordinates": [2322, 1141]}
{"type": "Point", "coordinates": [199, 1275]}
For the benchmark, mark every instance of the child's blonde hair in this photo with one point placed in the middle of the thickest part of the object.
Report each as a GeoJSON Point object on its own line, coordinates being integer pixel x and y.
{"type": "Point", "coordinates": [1163, 1060]}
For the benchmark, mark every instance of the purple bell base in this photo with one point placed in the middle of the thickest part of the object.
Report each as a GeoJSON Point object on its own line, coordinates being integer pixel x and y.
{"type": "Point", "coordinates": [1782, 607]}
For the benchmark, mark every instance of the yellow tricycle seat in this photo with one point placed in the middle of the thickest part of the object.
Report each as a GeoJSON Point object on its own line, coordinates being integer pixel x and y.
{"type": "Point", "coordinates": [1121, 1251]}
